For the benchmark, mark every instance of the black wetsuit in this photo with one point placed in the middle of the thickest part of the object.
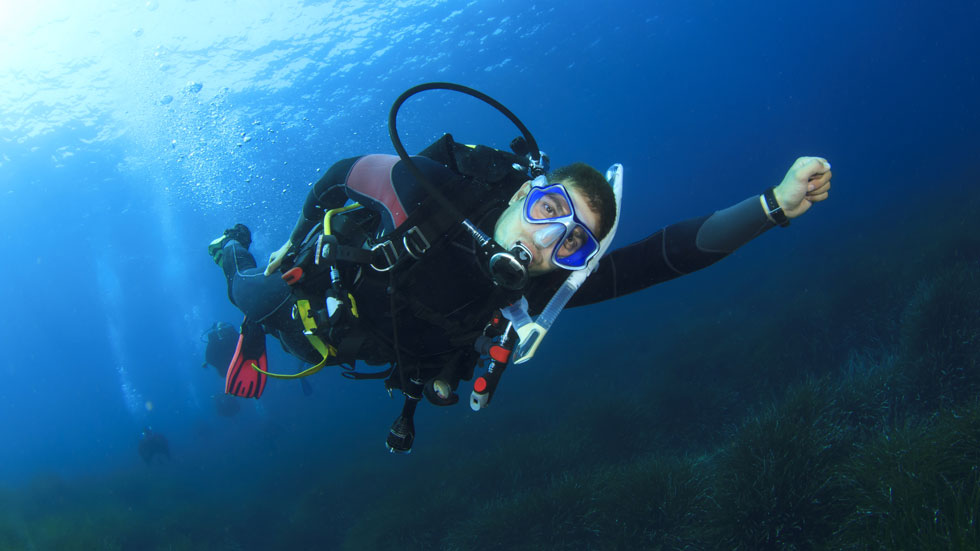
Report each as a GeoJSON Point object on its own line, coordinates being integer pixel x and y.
{"type": "Point", "coordinates": [442, 303]}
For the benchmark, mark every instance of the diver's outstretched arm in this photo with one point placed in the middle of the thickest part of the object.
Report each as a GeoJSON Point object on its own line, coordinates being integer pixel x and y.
{"type": "Point", "coordinates": [697, 243]}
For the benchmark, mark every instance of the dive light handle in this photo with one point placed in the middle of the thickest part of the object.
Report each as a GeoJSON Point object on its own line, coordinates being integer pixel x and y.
{"type": "Point", "coordinates": [485, 385]}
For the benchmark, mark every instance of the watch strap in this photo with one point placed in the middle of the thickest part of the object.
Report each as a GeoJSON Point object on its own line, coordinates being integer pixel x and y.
{"type": "Point", "coordinates": [774, 210]}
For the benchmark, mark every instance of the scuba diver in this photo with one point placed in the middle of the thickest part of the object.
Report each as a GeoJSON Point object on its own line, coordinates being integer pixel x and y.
{"type": "Point", "coordinates": [462, 255]}
{"type": "Point", "coordinates": [152, 444]}
{"type": "Point", "coordinates": [221, 339]}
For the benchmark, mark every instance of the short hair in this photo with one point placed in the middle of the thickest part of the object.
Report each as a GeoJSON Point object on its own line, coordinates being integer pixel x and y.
{"type": "Point", "coordinates": [597, 191]}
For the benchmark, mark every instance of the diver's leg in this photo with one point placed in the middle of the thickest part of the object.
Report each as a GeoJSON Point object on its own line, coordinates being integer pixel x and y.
{"type": "Point", "coordinates": [230, 251]}
{"type": "Point", "coordinates": [237, 260]}
{"type": "Point", "coordinates": [264, 300]}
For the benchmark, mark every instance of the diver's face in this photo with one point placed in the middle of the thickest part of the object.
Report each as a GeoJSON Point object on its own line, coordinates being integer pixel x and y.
{"type": "Point", "coordinates": [511, 228]}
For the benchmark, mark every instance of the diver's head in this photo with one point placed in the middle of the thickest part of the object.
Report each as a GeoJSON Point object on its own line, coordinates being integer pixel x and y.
{"type": "Point", "coordinates": [560, 219]}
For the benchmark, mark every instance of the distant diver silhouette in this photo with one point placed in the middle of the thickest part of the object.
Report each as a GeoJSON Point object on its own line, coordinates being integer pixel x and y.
{"type": "Point", "coordinates": [222, 338]}
{"type": "Point", "coordinates": [151, 444]}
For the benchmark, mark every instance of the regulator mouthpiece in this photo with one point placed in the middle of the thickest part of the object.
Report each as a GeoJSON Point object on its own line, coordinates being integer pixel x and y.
{"type": "Point", "coordinates": [521, 253]}
{"type": "Point", "coordinates": [509, 269]}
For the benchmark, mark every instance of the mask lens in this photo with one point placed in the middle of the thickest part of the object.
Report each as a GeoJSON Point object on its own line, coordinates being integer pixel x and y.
{"type": "Point", "coordinates": [551, 205]}
{"type": "Point", "coordinates": [547, 204]}
{"type": "Point", "coordinates": [577, 259]}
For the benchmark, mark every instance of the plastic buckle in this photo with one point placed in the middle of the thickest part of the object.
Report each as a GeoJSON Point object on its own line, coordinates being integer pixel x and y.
{"type": "Point", "coordinates": [422, 244]}
{"type": "Point", "coordinates": [390, 253]}
{"type": "Point", "coordinates": [293, 275]}
{"type": "Point", "coordinates": [301, 311]}
{"type": "Point", "coordinates": [326, 249]}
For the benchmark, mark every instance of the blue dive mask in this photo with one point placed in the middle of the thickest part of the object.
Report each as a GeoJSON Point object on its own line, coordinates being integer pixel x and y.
{"type": "Point", "coordinates": [551, 206]}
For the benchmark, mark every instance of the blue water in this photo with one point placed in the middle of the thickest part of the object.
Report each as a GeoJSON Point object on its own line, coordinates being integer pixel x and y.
{"type": "Point", "coordinates": [131, 135]}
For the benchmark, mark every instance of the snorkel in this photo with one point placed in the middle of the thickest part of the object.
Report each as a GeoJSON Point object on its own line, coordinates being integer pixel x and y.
{"type": "Point", "coordinates": [508, 269]}
{"type": "Point", "coordinates": [532, 331]}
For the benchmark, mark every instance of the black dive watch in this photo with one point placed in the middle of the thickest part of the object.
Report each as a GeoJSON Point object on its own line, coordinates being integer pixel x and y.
{"type": "Point", "coordinates": [774, 210]}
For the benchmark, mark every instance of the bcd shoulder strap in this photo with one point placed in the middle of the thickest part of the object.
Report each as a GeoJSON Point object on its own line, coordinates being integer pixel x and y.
{"type": "Point", "coordinates": [477, 177]}
{"type": "Point", "coordinates": [476, 161]}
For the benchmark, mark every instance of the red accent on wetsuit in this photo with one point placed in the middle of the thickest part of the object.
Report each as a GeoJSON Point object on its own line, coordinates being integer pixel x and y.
{"type": "Point", "coordinates": [371, 177]}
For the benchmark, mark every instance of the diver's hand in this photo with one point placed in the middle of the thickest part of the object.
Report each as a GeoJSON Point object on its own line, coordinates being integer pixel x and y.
{"type": "Point", "coordinates": [275, 259]}
{"type": "Point", "coordinates": [806, 182]}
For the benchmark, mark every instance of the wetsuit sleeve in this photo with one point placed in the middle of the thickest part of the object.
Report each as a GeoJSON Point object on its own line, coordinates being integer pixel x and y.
{"type": "Point", "coordinates": [329, 192]}
{"type": "Point", "coordinates": [676, 250]}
